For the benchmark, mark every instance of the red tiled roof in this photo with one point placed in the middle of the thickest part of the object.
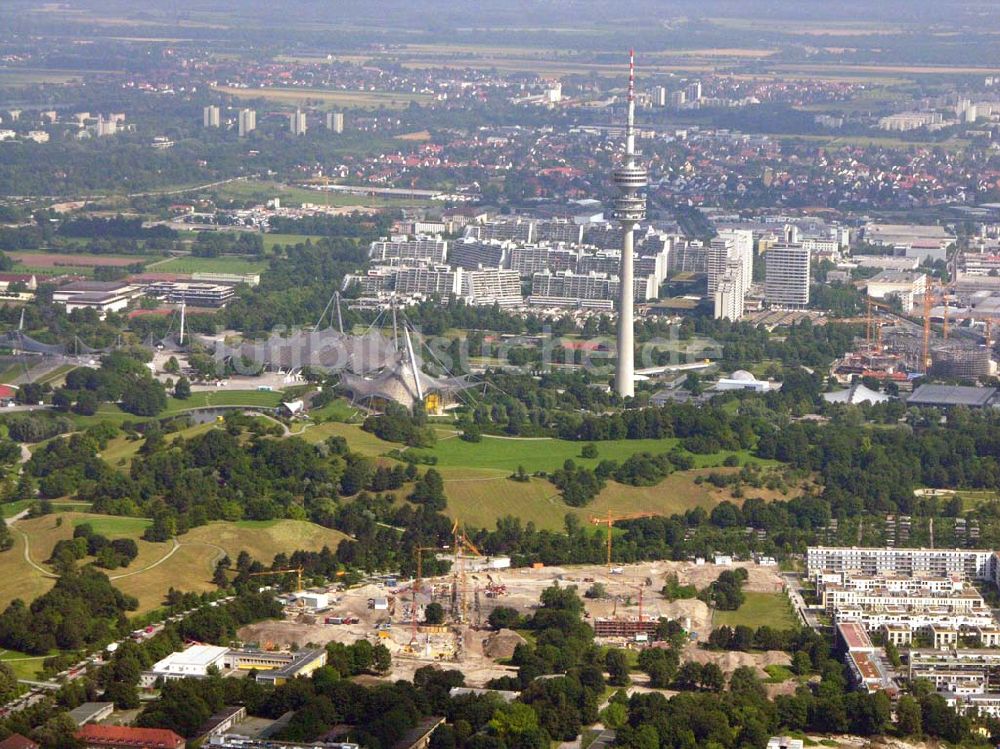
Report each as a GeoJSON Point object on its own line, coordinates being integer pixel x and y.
{"type": "Point", "coordinates": [148, 738]}
{"type": "Point", "coordinates": [17, 741]}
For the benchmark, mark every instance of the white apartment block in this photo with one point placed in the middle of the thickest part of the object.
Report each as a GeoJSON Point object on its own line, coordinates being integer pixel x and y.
{"type": "Point", "coordinates": [429, 249]}
{"type": "Point", "coordinates": [211, 116]}
{"type": "Point", "coordinates": [973, 564]}
{"type": "Point", "coordinates": [472, 254]}
{"type": "Point", "coordinates": [728, 300]}
{"type": "Point", "coordinates": [534, 259]}
{"type": "Point", "coordinates": [247, 122]}
{"type": "Point", "coordinates": [786, 282]}
{"type": "Point", "coordinates": [742, 250]}
{"type": "Point", "coordinates": [961, 671]}
{"type": "Point", "coordinates": [492, 286]}
{"type": "Point", "coordinates": [428, 280]}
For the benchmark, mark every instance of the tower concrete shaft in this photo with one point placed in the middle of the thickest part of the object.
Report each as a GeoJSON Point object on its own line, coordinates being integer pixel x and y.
{"type": "Point", "coordinates": [630, 209]}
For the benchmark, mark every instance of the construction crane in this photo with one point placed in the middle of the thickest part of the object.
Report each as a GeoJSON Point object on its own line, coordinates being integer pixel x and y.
{"type": "Point", "coordinates": [873, 327]}
{"type": "Point", "coordinates": [297, 570]}
{"type": "Point", "coordinates": [462, 544]}
{"type": "Point", "coordinates": [609, 520]}
{"type": "Point", "coordinates": [417, 581]}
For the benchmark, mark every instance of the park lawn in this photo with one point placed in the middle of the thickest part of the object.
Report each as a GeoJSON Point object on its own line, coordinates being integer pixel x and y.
{"type": "Point", "coordinates": [56, 376]}
{"type": "Point", "coordinates": [159, 566]}
{"type": "Point", "coordinates": [10, 509]}
{"type": "Point", "coordinates": [211, 265]}
{"type": "Point", "coordinates": [759, 608]}
{"type": "Point", "coordinates": [21, 580]}
{"type": "Point", "coordinates": [339, 409]}
{"type": "Point", "coordinates": [359, 440]}
{"type": "Point", "coordinates": [548, 454]}
{"type": "Point", "coordinates": [122, 449]}
{"type": "Point", "coordinates": [479, 497]}
{"type": "Point", "coordinates": [221, 397]}
{"type": "Point", "coordinates": [271, 240]}
{"type": "Point", "coordinates": [25, 666]}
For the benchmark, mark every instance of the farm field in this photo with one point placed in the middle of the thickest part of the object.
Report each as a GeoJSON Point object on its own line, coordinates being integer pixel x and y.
{"type": "Point", "coordinates": [187, 565]}
{"type": "Point", "coordinates": [211, 265]}
{"type": "Point", "coordinates": [363, 99]}
{"type": "Point", "coordinates": [52, 263]}
{"type": "Point", "coordinates": [759, 608]}
{"type": "Point", "coordinates": [291, 195]}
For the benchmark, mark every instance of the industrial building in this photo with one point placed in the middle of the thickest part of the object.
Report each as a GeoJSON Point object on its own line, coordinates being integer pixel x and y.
{"type": "Point", "coordinates": [898, 284]}
{"type": "Point", "coordinates": [192, 663]}
{"type": "Point", "coordinates": [947, 396]}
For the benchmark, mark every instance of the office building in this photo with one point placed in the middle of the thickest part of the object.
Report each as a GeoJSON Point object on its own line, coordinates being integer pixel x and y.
{"type": "Point", "coordinates": [428, 249]}
{"type": "Point", "coordinates": [297, 122]}
{"type": "Point", "coordinates": [786, 283]}
{"type": "Point", "coordinates": [276, 667]}
{"type": "Point", "coordinates": [211, 116]}
{"type": "Point", "coordinates": [247, 122]}
{"type": "Point", "coordinates": [335, 122]}
{"type": "Point", "coordinates": [193, 293]}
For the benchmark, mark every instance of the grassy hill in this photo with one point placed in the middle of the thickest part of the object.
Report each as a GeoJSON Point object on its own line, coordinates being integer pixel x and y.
{"type": "Point", "coordinates": [188, 565]}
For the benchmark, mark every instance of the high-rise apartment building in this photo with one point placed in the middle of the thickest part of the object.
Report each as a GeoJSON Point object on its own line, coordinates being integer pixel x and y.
{"type": "Point", "coordinates": [787, 278]}
{"type": "Point", "coordinates": [211, 116]}
{"type": "Point", "coordinates": [297, 122]}
{"type": "Point", "coordinates": [660, 96]}
{"type": "Point", "coordinates": [247, 122]}
{"type": "Point", "coordinates": [693, 91]}
{"type": "Point", "coordinates": [429, 249]}
{"type": "Point", "coordinates": [335, 121]}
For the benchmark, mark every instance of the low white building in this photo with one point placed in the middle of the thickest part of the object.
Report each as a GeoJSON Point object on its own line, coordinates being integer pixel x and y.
{"type": "Point", "coordinates": [194, 662]}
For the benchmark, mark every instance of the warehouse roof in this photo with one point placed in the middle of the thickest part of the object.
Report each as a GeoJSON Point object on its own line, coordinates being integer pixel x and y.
{"type": "Point", "coordinates": [951, 395]}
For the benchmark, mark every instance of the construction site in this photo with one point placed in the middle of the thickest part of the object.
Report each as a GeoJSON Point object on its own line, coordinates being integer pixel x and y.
{"type": "Point", "coordinates": [624, 612]}
{"type": "Point", "coordinates": [947, 336]}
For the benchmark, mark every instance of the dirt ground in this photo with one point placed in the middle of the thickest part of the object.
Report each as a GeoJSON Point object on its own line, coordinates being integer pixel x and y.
{"type": "Point", "coordinates": [461, 646]}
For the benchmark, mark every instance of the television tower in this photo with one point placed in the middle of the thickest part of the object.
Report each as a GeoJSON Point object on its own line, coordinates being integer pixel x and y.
{"type": "Point", "coordinates": [630, 209]}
